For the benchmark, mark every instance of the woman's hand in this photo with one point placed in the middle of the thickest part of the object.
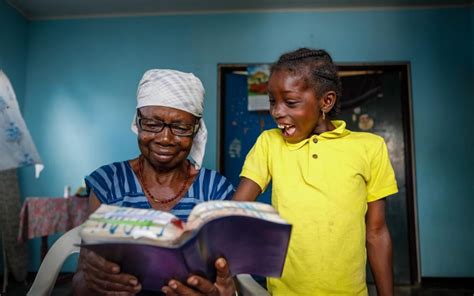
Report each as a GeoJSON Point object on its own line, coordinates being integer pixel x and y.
{"type": "Point", "coordinates": [224, 285]}
{"type": "Point", "coordinates": [99, 276]}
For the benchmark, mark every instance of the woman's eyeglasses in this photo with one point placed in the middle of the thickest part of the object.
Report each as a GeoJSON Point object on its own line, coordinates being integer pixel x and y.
{"type": "Point", "coordinates": [177, 129]}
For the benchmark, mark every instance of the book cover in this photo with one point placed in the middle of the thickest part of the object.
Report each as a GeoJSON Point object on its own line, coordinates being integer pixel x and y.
{"type": "Point", "coordinates": [156, 247]}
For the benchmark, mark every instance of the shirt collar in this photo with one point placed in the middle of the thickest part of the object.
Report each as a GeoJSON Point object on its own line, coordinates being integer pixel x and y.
{"type": "Point", "coordinates": [339, 132]}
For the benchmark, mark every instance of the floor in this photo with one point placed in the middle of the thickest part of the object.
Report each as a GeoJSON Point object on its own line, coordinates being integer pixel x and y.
{"type": "Point", "coordinates": [427, 290]}
{"type": "Point", "coordinates": [63, 286]}
{"type": "Point", "coordinates": [433, 289]}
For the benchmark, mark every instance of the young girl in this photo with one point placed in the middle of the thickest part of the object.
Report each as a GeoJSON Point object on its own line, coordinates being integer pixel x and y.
{"type": "Point", "coordinates": [327, 181]}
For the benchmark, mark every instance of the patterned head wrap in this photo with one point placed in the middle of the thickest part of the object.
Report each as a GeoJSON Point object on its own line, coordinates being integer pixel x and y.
{"type": "Point", "coordinates": [179, 90]}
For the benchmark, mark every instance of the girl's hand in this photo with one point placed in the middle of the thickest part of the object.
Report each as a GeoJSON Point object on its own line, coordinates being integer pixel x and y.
{"type": "Point", "coordinates": [224, 285]}
{"type": "Point", "coordinates": [104, 277]}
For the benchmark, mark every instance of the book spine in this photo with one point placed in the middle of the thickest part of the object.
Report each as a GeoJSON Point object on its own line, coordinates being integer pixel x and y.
{"type": "Point", "coordinates": [195, 258]}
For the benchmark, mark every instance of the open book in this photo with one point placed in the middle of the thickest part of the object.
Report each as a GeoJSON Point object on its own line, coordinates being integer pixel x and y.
{"type": "Point", "coordinates": [156, 246]}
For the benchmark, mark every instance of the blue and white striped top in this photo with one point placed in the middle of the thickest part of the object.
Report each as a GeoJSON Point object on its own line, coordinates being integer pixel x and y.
{"type": "Point", "coordinates": [117, 184]}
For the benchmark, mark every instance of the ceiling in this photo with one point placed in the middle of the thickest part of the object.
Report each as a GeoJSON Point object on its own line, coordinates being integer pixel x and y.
{"type": "Point", "coordinates": [52, 9]}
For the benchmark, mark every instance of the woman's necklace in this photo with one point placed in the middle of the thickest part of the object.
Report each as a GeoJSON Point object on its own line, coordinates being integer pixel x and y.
{"type": "Point", "coordinates": [148, 193]}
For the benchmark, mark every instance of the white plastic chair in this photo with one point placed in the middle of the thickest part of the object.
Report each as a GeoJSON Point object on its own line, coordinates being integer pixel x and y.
{"type": "Point", "coordinates": [66, 245]}
{"type": "Point", "coordinates": [52, 263]}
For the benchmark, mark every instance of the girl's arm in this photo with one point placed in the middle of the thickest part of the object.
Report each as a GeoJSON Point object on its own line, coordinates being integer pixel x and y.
{"type": "Point", "coordinates": [379, 247]}
{"type": "Point", "coordinates": [247, 190]}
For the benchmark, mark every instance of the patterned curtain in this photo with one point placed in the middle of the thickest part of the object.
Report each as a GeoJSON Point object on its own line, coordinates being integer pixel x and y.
{"type": "Point", "coordinates": [16, 146]}
{"type": "Point", "coordinates": [17, 253]}
{"type": "Point", "coordinates": [16, 150]}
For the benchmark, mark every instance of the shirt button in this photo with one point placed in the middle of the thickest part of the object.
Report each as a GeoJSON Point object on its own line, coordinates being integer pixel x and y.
{"type": "Point", "coordinates": [315, 140]}
{"type": "Point", "coordinates": [315, 156]}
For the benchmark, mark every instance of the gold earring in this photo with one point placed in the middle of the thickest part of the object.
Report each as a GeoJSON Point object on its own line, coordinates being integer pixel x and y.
{"type": "Point", "coordinates": [324, 115]}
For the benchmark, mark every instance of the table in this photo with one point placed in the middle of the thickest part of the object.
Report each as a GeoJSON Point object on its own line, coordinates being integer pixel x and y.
{"type": "Point", "coordinates": [44, 216]}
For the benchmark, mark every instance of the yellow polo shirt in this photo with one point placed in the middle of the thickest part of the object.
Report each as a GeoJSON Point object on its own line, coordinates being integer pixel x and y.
{"type": "Point", "coordinates": [322, 186]}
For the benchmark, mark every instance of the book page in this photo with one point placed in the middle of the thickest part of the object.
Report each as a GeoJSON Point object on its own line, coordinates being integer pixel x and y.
{"type": "Point", "coordinates": [120, 224]}
{"type": "Point", "coordinates": [211, 210]}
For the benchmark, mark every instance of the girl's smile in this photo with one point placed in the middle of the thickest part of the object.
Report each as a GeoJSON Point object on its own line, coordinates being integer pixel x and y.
{"type": "Point", "coordinates": [287, 129]}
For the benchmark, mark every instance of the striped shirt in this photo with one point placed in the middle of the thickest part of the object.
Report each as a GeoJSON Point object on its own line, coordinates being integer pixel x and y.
{"type": "Point", "coordinates": [117, 184]}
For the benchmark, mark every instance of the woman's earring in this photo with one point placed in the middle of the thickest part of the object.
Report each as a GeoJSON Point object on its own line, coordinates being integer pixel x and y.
{"type": "Point", "coordinates": [324, 114]}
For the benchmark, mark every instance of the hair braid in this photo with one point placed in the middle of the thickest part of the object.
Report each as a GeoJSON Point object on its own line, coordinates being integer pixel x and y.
{"type": "Point", "coordinates": [303, 53]}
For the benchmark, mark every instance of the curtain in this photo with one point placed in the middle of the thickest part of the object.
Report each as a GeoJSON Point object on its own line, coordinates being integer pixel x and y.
{"type": "Point", "coordinates": [16, 150]}
{"type": "Point", "coordinates": [16, 146]}
{"type": "Point", "coordinates": [17, 253]}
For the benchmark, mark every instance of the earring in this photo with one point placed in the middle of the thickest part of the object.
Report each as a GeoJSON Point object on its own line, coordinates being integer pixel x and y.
{"type": "Point", "coordinates": [324, 114]}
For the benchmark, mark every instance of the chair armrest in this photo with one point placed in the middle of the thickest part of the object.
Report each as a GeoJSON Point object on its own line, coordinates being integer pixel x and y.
{"type": "Point", "coordinates": [52, 263]}
{"type": "Point", "coordinates": [249, 287]}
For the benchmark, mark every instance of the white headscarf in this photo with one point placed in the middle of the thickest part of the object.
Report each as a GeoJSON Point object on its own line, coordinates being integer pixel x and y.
{"type": "Point", "coordinates": [179, 90]}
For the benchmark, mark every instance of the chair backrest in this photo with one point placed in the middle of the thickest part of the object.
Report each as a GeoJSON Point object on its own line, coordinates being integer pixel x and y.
{"type": "Point", "coordinates": [52, 263]}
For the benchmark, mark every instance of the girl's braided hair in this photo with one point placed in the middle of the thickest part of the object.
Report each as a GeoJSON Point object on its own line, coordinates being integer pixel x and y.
{"type": "Point", "coordinates": [318, 68]}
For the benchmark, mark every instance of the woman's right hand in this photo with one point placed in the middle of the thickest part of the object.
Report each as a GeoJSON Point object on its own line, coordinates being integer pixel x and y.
{"type": "Point", "coordinates": [102, 277]}
{"type": "Point", "coordinates": [197, 285]}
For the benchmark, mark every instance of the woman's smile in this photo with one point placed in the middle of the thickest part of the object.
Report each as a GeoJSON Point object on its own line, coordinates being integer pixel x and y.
{"type": "Point", "coordinates": [163, 153]}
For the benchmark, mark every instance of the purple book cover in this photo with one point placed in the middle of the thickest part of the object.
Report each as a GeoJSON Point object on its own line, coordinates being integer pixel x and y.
{"type": "Point", "coordinates": [250, 245]}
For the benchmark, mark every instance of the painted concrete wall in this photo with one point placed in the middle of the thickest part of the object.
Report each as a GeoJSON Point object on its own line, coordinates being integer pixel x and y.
{"type": "Point", "coordinates": [13, 50]}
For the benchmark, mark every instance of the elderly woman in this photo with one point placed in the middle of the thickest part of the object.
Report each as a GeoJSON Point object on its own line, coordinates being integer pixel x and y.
{"type": "Point", "coordinates": [166, 176]}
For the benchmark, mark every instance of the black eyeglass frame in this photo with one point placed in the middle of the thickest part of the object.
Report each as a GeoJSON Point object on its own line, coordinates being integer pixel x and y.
{"type": "Point", "coordinates": [173, 127]}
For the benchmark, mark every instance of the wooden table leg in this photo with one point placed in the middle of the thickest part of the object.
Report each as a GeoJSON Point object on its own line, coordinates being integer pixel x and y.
{"type": "Point", "coordinates": [44, 246]}
{"type": "Point", "coordinates": [5, 268]}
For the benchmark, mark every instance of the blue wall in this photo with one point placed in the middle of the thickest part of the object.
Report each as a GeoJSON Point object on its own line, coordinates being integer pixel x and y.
{"type": "Point", "coordinates": [13, 49]}
{"type": "Point", "coordinates": [82, 76]}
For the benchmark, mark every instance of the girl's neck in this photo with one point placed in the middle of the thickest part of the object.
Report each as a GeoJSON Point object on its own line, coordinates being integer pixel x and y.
{"type": "Point", "coordinates": [324, 125]}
